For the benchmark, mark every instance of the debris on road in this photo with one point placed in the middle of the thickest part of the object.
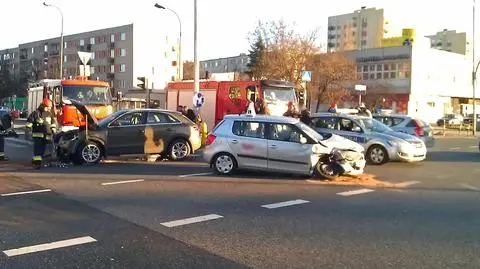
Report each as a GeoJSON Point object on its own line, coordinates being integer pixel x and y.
{"type": "Point", "coordinates": [363, 180]}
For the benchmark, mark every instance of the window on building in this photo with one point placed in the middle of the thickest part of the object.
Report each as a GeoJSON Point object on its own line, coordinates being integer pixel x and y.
{"type": "Point", "coordinates": [359, 68]}
{"type": "Point", "coordinates": [365, 68]}
{"type": "Point", "coordinates": [122, 68]}
{"type": "Point", "coordinates": [372, 76]}
{"type": "Point", "coordinates": [365, 76]}
{"type": "Point", "coordinates": [206, 65]}
{"type": "Point", "coordinates": [393, 67]}
{"type": "Point", "coordinates": [372, 67]}
{"type": "Point", "coordinates": [123, 52]}
{"type": "Point", "coordinates": [93, 56]}
{"type": "Point", "coordinates": [123, 36]}
{"type": "Point", "coordinates": [112, 38]}
{"type": "Point", "coordinates": [393, 75]}
{"type": "Point", "coordinates": [92, 40]}
{"type": "Point", "coordinates": [364, 42]}
{"type": "Point", "coordinates": [216, 64]}
{"type": "Point", "coordinates": [45, 48]}
{"type": "Point", "coordinates": [82, 42]}
{"type": "Point", "coordinates": [92, 69]}
{"type": "Point", "coordinates": [64, 45]}
{"type": "Point", "coordinates": [379, 67]}
{"type": "Point", "coordinates": [386, 67]}
{"type": "Point", "coordinates": [385, 75]}
{"type": "Point", "coordinates": [33, 50]}
{"type": "Point", "coordinates": [65, 58]}
{"type": "Point", "coordinates": [112, 68]}
{"type": "Point", "coordinates": [112, 53]}
{"type": "Point", "coordinates": [379, 75]}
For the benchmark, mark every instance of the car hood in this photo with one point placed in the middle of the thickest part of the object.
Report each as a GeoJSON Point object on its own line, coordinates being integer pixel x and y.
{"type": "Point", "coordinates": [336, 141]}
{"type": "Point", "coordinates": [85, 112]}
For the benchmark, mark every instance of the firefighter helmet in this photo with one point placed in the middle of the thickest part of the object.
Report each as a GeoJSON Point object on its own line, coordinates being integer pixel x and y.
{"type": "Point", "coordinates": [47, 102]}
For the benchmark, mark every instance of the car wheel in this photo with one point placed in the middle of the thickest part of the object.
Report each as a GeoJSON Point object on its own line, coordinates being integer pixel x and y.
{"type": "Point", "coordinates": [179, 149]}
{"type": "Point", "coordinates": [327, 170]}
{"type": "Point", "coordinates": [89, 153]}
{"type": "Point", "coordinates": [377, 155]}
{"type": "Point", "coordinates": [224, 164]}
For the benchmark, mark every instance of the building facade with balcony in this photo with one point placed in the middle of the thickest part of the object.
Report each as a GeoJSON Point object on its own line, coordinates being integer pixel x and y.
{"type": "Point", "coordinates": [9, 61]}
{"type": "Point", "coordinates": [450, 40]}
{"type": "Point", "coordinates": [118, 55]}
{"type": "Point", "coordinates": [362, 29]}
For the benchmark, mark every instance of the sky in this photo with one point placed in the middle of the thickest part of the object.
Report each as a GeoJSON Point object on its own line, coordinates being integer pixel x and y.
{"type": "Point", "coordinates": [223, 25]}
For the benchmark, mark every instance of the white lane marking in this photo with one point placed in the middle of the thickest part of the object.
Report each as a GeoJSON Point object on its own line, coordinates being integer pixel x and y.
{"type": "Point", "coordinates": [470, 187]}
{"type": "Point", "coordinates": [25, 192]}
{"type": "Point", "coordinates": [474, 147]}
{"type": "Point", "coordinates": [355, 192]}
{"type": "Point", "coordinates": [122, 182]}
{"type": "Point", "coordinates": [286, 203]}
{"type": "Point", "coordinates": [49, 246]}
{"type": "Point", "coordinates": [181, 222]}
{"type": "Point", "coordinates": [406, 184]}
{"type": "Point", "coordinates": [194, 175]}
{"type": "Point", "coordinates": [457, 148]}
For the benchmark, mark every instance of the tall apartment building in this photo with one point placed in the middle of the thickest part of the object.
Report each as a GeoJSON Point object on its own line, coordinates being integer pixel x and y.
{"type": "Point", "coordinates": [449, 40]}
{"type": "Point", "coordinates": [227, 65]}
{"type": "Point", "coordinates": [119, 55]}
{"type": "Point", "coordinates": [361, 29]}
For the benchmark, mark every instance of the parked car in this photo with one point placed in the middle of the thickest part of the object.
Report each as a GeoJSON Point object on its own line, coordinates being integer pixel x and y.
{"type": "Point", "coordinates": [270, 143]}
{"type": "Point", "coordinates": [450, 119]}
{"type": "Point", "coordinates": [380, 143]}
{"type": "Point", "coordinates": [409, 125]}
{"type": "Point", "coordinates": [130, 132]}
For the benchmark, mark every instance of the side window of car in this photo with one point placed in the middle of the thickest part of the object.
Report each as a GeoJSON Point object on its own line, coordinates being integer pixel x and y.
{"type": "Point", "coordinates": [158, 118]}
{"type": "Point", "coordinates": [396, 121]}
{"type": "Point", "coordinates": [349, 125]}
{"type": "Point", "coordinates": [324, 123]}
{"type": "Point", "coordinates": [285, 132]}
{"type": "Point", "coordinates": [129, 119]}
{"type": "Point", "coordinates": [249, 129]}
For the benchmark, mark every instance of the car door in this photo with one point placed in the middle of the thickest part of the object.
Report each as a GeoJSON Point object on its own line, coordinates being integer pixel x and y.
{"type": "Point", "coordinates": [126, 134]}
{"type": "Point", "coordinates": [350, 129]}
{"type": "Point", "coordinates": [249, 144]}
{"type": "Point", "coordinates": [160, 130]}
{"type": "Point", "coordinates": [285, 152]}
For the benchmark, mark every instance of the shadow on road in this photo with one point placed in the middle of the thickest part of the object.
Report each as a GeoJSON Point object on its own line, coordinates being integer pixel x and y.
{"type": "Point", "coordinates": [453, 156]}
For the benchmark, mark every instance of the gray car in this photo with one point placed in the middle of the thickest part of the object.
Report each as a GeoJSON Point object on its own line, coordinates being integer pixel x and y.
{"type": "Point", "coordinates": [130, 132]}
{"type": "Point", "coordinates": [380, 143]}
{"type": "Point", "coordinates": [409, 125]}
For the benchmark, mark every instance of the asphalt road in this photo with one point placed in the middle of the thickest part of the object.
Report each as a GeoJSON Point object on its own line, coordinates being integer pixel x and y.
{"type": "Point", "coordinates": [179, 215]}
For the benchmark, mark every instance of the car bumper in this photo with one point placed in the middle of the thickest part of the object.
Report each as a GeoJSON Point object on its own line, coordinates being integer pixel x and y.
{"type": "Point", "coordinates": [414, 155]}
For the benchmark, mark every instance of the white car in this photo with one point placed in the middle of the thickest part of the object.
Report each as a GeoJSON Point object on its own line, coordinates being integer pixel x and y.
{"type": "Point", "coordinates": [271, 143]}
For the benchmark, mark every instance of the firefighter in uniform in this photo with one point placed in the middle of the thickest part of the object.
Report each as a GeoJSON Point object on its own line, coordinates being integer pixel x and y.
{"type": "Point", "coordinates": [5, 124]}
{"type": "Point", "coordinates": [43, 126]}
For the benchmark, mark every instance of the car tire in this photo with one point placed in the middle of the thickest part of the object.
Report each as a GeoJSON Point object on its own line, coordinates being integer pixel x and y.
{"type": "Point", "coordinates": [224, 163]}
{"type": "Point", "coordinates": [376, 155]}
{"type": "Point", "coordinates": [327, 170]}
{"type": "Point", "coordinates": [179, 149]}
{"type": "Point", "coordinates": [89, 153]}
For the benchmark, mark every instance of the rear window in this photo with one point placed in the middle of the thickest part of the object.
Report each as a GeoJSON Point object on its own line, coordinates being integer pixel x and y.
{"type": "Point", "coordinates": [415, 123]}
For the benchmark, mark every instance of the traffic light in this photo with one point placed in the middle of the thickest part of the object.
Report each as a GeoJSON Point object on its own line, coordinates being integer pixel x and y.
{"type": "Point", "coordinates": [143, 83]}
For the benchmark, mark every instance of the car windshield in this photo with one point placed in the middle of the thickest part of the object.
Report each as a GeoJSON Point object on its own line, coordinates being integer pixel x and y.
{"type": "Point", "coordinates": [310, 132]}
{"type": "Point", "coordinates": [109, 118]}
{"type": "Point", "coordinates": [374, 125]}
{"type": "Point", "coordinates": [272, 95]}
{"type": "Point", "coordinates": [88, 95]}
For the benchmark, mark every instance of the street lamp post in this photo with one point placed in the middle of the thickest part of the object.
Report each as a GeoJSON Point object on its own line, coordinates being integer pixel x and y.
{"type": "Point", "coordinates": [180, 62]}
{"type": "Point", "coordinates": [61, 38]}
{"type": "Point", "coordinates": [474, 71]}
{"type": "Point", "coordinates": [196, 80]}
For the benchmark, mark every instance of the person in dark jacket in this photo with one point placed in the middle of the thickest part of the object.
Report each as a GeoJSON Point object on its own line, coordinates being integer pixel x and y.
{"type": "Point", "coordinates": [5, 124]}
{"type": "Point", "coordinates": [43, 126]}
{"type": "Point", "coordinates": [305, 117]}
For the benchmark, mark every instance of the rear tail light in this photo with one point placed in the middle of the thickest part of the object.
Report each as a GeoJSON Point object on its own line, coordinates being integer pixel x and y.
{"type": "Point", "coordinates": [210, 139]}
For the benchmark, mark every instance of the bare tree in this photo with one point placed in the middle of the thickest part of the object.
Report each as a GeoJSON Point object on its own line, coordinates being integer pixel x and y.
{"type": "Point", "coordinates": [333, 75]}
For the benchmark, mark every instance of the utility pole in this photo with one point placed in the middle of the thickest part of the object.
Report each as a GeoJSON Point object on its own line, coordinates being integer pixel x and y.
{"type": "Point", "coordinates": [61, 38]}
{"type": "Point", "coordinates": [196, 80]}
{"type": "Point", "coordinates": [474, 73]}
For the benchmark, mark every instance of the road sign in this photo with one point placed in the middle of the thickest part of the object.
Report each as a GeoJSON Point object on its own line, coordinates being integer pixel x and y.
{"type": "Point", "coordinates": [307, 76]}
{"type": "Point", "coordinates": [198, 100]}
{"type": "Point", "coordinates": [360, 87]}
{"type": "Point", "coordinates": [84, 57]}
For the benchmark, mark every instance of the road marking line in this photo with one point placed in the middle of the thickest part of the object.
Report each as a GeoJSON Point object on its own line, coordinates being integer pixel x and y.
{"type": "Point", "coordinates": [474, 147]}
{"type": "Point", "coordinates": [355, 192]}
{"type": "Point", "coordinates": [457, 148]}
{"type": "Point", "coordinates": [406, 184]}
{"type": "Point", "coordinates": [181, 222]}
{"type": "Point", "coordinates": [199, 174]}
{"type": "Point", "coordinates": [470, 187]}
{"type": "Point", "coordinates": [25, 192]}
{"type": "Point", "coordinates": [286, 203]}
{"type": "Point", "coordinates": [122, 182]}
{"type": "Point", "coordinates": [49, 246]}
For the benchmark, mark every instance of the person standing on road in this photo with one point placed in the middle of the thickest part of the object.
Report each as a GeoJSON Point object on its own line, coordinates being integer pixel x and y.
{"type": "Point", "coordinates": [5, 124]}
{"type": "Point", "coordinates": [43, 126]}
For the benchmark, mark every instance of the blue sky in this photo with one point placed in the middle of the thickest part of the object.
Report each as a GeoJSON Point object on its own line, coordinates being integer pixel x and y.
{"type": "Point", "coordinates": [223, 24]}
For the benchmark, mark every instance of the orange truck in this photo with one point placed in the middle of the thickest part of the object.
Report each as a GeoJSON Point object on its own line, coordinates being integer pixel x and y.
{"type": "Point", "coordinates": [232, 97]}
{"type": "Point", "coordinates": [95, 94]}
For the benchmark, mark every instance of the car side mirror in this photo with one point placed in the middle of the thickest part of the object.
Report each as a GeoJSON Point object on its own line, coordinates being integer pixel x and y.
{"type": "Point", "coordinates": [303, 140]}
